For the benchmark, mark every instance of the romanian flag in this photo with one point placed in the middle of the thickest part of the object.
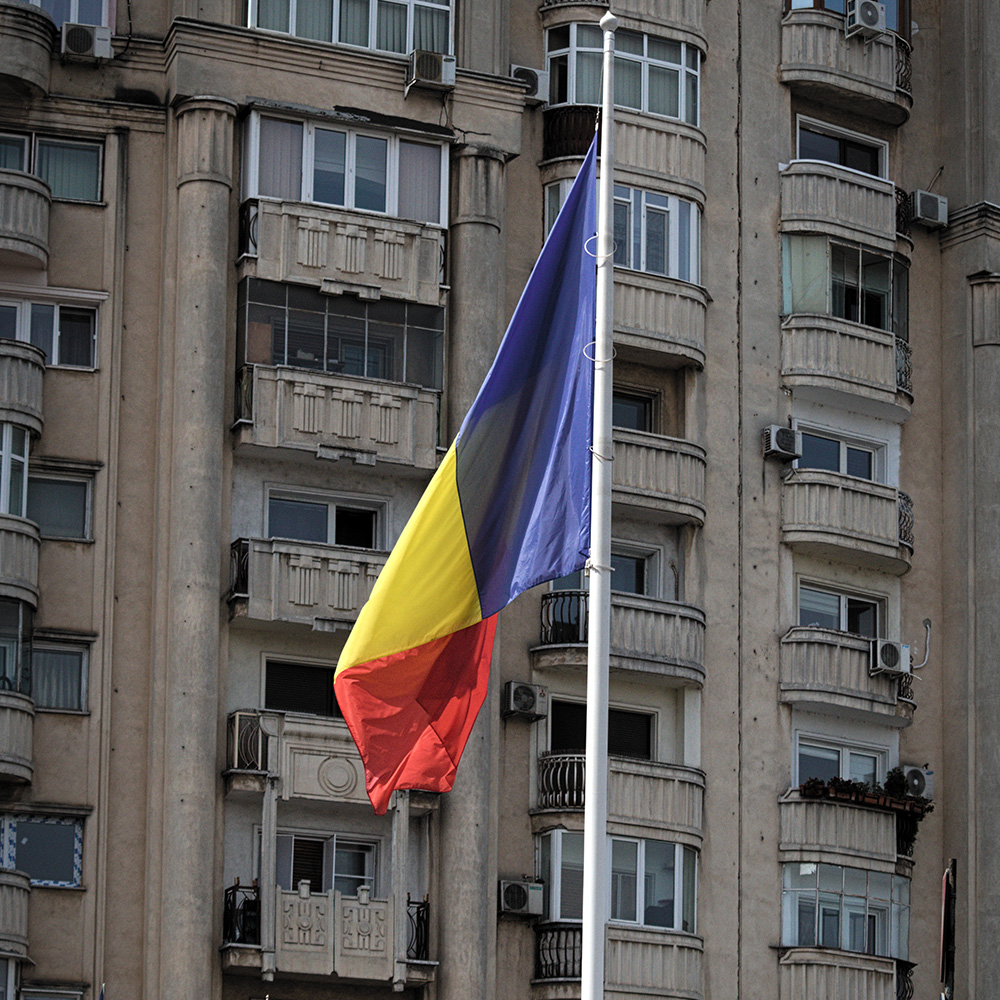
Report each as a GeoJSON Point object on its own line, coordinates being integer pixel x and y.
{"type": "Point", "coordinates": [508, 508]}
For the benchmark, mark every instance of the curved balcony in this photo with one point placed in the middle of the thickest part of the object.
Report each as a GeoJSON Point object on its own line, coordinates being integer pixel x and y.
{"type": "Point", "coordinates": [17, 717]}
{"type": "Point", "coordinates": [661, 798]}
{"type": "Point", "coordinates": [829, 974]}
{"type": "Point", "coordinates": [24, 214]}
{"type": "Point", "coordinates": [848, 520]}
{"type": "Point", "coordinates": [337, 416]}
{"type": "Point", "coordinates": [637, 959]}
{"type": "Point", "coordinates": [304, 583]}
{"type": "Point", "coordinates": [866, 77]}
{"type": "Point", "coordinates": [15, 887]}
{"type": "Point", "coordinates": [681, 19]}
{"type": "Point", "coordinates": [659, 321]}
{"type": "Point", "coordinates": [824, 670]}
{"type": "Point", "coordinates": [840, 363]}
{"type": "Point", "coordinates": [837, 833]}
{"type": "Point", "coordinates": [19, 544]}
{"type": "Point", "coordinates": [821, 197]}
{"type": "Point", "coordinates": [648, 636]}
{"type": "Point", "coordinates": [27, 35]}
{"type": "Point", "coordinates": [22, 367]}
{"type": "Point", "coordinates": [659, 476]}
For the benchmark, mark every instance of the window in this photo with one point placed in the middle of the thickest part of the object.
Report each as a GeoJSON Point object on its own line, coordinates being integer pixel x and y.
{"type": "Point", "coordinates": [390, 340]}
{"type": "Point", "coordinates": [631, 574]}
{"type": "Point", "coordinates": [657, 233]}
{"type": "Point", "coordinates": [60, 505]}
{"type": "Point", "coordinates": [59, 675]}
{"type": "Point", "coordinates": [652, 881]}
{"type": "Point", "coordinates": [385, 25]}
{"type": "Point", "coordinates": [631, 410]}
{"type": "Point", "coordinates": [310, 518]}
{"type": "Point", "coordinates": [10, 978]}
{"type": "Point", "coordinates": [15, 646]}
{"type": "Point", "coordinates": [74, 11]}
{"type": "Point", "coordinates": [48, 849]}
{"type": "Point", "coordinates": [819, 141]}
{"type": "Point", "coordinates": [817, 757]}
{"type": "Point", "coordinates": [338, 862]}
{"type": "Point", "coordinates": [847, 908]}
{"type": "Point", "coordinates": [326, 165]}
{"type": "Point", "coordinates": [850, 458]}
{"type": "Point", "coordinates": [71, 169]}
{"type": "Point", "coordinates": [846, 281]}
{"type": "Point", "coordinates": [821, 607]}
{"type": "Point", "coordinates": [66, 333]}
{"type": "Point", "coordinates": [13, 469]}
{"type": "Point", "coordinates": [300, 687]}
{"type": "Point", "coordinates": [897, 12]}
{"type": "Point", "coordinates": [656, 75]}
{"type": "Point", "coordinates": [630, 734]}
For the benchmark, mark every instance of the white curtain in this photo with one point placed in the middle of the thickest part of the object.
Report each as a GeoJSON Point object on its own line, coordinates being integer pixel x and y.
{"type": "Point", "coordinates": [588, 78]}
{"type": "Point", "coordinates": [58, 677]}
{"type": "Point", "coordinates": [280, 159]}
{"type": "Point", "coordinates": [628, 83]}
{"type": "Point", "coordinates": [314, 19]}
{"type": "Point", "coordinates": [663, 98]}
{"type": "Point", "coordinates": [354, 22]}
{"type": "Point", "coordinates": [430, 29]}
{"type": "Point", "coordinates": [805, 275]}
{"type": "Point", "coordinates": [419, 181]}
{"type": "Point", "coordinates": [390, 27]}
{"type": "Point", "coordinates": [71, 171]}
{"type": "Point", "coordinates": [272, 15]}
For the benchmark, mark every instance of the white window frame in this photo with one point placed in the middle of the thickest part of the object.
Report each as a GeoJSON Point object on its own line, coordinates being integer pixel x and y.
{"type": "Point", "coordinates": [555, 880]}
{"type": "Point", "coordinates": [876, 448]}
{"type": "Point", "coordinates": [309, 127]}
{"type": "Point", "coordinates": [410, 5]}
{"type": "Point", "coordinates": [40, 642]}
{"type": "Point", "coordinates": [7, 459]}
{"type": "Point", "coordinates": [879, 600]}
{"type": "Point", "coordinates": [836, 132]}
{"type": "Point", "coordinates": [372, 844]}
{"type": "Point", "coordinates": [379, 506]}
{"type": "Point", "coordinates": [641, 903]}
{"type": "Point", "coordinates": [36, 138]}
{"type": "Point", "coordinates": [651, 556]}
{"type": "Point", "coordinates": [683, 69]}
{"type": "Point", "coordinates": [8, 831]}
{"type": "Point", "coordinates": [639, 204]}
{"type": "Point", "coordinates": [844, 748]}
{"type": "Point", "coordinates": [23, 326]}
{"type": "Point", "coordinates": [74, 12]}
{"type": "Point", "coordinates": [57, 475]}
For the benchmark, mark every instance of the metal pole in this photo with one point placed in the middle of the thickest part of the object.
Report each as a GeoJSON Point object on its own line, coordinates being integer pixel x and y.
{"type": "Point", "coordinates": [595, 854]}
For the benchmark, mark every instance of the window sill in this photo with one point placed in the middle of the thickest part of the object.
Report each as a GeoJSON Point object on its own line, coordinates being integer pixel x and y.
{"type": "Point", "coordinates": [45, 710]}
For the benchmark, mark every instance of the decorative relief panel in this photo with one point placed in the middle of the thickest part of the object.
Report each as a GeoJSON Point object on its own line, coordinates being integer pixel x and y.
{"type": "Point", "coordinates": [364, 937]}
{"type": "Point", "coordinates": [304, 942]}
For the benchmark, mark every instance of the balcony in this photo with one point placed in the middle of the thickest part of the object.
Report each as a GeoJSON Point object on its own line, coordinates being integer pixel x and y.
{"type": "Point", "coordinates": [823, 670]}
{"type": "Point", "coordinates": [638, 959]}
{"type": "Point", "coordinates": [325, 934]}
{"type": "Point", "coordinates": [337, 416]}
{"type": "Point", "coordinates": [851, 520]}
{"type": "Point", "coordinates": [303, 583]}
{"type": "Point", "coordinates": [15, 888]}
{"type": "Point", "coordinates": [17, 717]}
{"type": "Point", "coordinates": [342, 251]}
{"type": "Point", "coordinates": [837, 833]}
{"type": "Point", "coordinates": [870, 78]}
{"type": "Point", "coordinates": [648, 636]}
{"type": "Point", "coordinates": [829, 974]}
{"type": "Point", "coordinates": [567, 130]}
{"type": "Point", "coordinates": [22, 367]}
{"type": "Point", "coordinates": [24, 202]}
{"type": "Point", "coordinates": [19, 544]}
{"type": "Point", "coordinates": [659, 321]}
{"type": "Point", "coordinates": [27, 35]}
{"type": "Point", "coordinates": [659, 476]}
{"type": "Point", "coordinates": [667, 797]}
{"type": "Point", "coordinates": [685, 17]}
{"type": "Point", "coordinates": [840, 363]}
{"type": "Point", "coordinates": [824, 198]}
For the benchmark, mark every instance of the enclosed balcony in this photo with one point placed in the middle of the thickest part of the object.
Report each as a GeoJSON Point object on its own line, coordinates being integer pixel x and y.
{"type": "Point", "coordinates": [659, 321]}
{"type": "Point", "coordinates": [823, 197]}
{"type": "Point", "coordinates": [680, 16]}
{"type": "Point", "coordinates": [24, 202]}
{"type": "Point", "coordinates": [27, 36]}
{"type": "Point", "coordinates": [829, 360]}
{"type": "Point", "coordinates": [837, 833]}
{"type": "Point", "coordinates": [839, 517]}
{"type": "Point", "coordinates": [868, 77]}
{"type": "Point", "coordinates": [302, 583]}
{"type": "Point", "coordinates": [829, 974]}
{"type": "Point", "coordinates": [342, 251]}
{"type": "Point", "coordinates": [659, 476]}
{"type": "Point", "coordinates": [824, 670]}
{"type": "Point", "coordinates": [331, 416]}
{"type": "Point", "coordinates": [19, 545]}
{"type": "Point", "coordinates": [22, 366]}
{"type": "Point", "coordinates": [648, 636]}
{"type": "Point", "coordinates": [15, 887]}
{"type": "Point", "coordinates": [17, 719]}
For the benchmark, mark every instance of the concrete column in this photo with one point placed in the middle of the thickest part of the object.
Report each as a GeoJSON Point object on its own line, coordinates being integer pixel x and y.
{"type": "Point", "coordinates": [468, 813]}
{"type": "Point", "coordinates": [271, 726]}
{"type": "Point", "coordinates": [189, 895]}
{"type": "Point", "coordinates": [400, 879]}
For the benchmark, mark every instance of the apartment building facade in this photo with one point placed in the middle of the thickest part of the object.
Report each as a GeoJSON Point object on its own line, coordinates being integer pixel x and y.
{"type": "Point", "coordinates": [255, 259]}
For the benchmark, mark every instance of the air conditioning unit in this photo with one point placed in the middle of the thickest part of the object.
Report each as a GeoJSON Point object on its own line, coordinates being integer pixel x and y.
{"type": "Point", "coordinates": [430, 71]}
{"type": "Point", "coordinates": [930, 210]}
{"type": "Point", "coordinates": [919, 781]}
{"type": "Point", "coordinates": [781, 442]}
{"type": "Point", "coordinates": [86, 42]}
{"type": "Point", "coordinates": [529, 701]}
{"type": "Point", "coordinates": [521, 898]}
{"type": "Point", "coordinates": [865, 18]}
{"type": "Point", "coordinates": [536, 80]}
{"type": "Point", "coordinates": [889, 658]}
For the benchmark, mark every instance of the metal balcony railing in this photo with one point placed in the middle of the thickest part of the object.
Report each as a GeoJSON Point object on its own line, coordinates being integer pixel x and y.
{"type": "Point", "coordinates": [568, 130]}
{"type": "Point", "coordinates": [246, 743]}
{"type": "Point", "coordinates": [904, 366]}
{"type": "Point", "coordinates": [561, 780]}
{"type": "Point", "coordinates": [241, 914]}
{"type": "Point", "coordinates": [904, 979]}
{"type": "Point", "coordinates": [558, 949]}
{"type": "Point", "coordinates": [249, 214]}
{"type": "Point", "coordinates": [906, 520]}
{"type": "Point", "coordinates": [418, 939]}
{"type": "Point", "coordinates": [904, 212]}
{"type": "Point", "coordinates": [904, 66]}
{"type": "Point", "coordinates": [239, 568]}
{"type": "Point", "coordinates": [244, 394]}
{"type": "Point", "coordinates": [564, 617]}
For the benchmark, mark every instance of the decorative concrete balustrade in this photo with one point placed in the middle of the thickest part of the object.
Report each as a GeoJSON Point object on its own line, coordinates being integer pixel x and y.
{"type": "Point", "coordinates": [659, 321]}
{"type": "Point", "coordinates": [15, 888]}
{"type": "Point", "coordinates": [19, 545]}
{"type": "Point", "coordinates": [17, 718]}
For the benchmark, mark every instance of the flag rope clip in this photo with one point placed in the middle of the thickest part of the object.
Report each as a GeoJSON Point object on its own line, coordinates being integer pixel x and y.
{"type": "Point", "coordinates": [598, 257]}
{"type": "Point", "coordinates": [594, 358]}
{"type": "Point", "coordinates": [590, 564]}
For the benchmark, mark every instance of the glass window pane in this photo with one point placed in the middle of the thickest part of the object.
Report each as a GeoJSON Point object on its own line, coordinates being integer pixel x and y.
{"type": "Point", "coordinates": [558, 38]}
{"type": "Point", "coordinates": [571, 877]}
{"type": "Point", "coordinates": [314, 19]}
{"type": "Point", "coordinates": [844, 291]}
{"type": "Point", "coordinates": [280, 159]}
{"type": "Point", "coordinates": [829, 920]}
{"type": "Point", "coordinates": [862, 617]}
{"type": "Point", "coordinates": [684, 262]}
{"type": "Point", "coordinates": [819, 453]}
{"type": "Point", "coordinates": [622, 239]}
{"type": "Point", "coordinates": [354, 22]}
{"type": "Point", "coordinates": [804, 919]}
{"type": "Point", "coordinates": [861, 156]}
{"type": "Point", "coordinates": [15, 499]}
{"type": "Point", "coordinates": [46, 850]}
{"type": "Point", "coordinates": [71, 170]}
{"type": "Point", "coordinates": [658, 884]}
{"type": "Point", "coordinates": [8, 321]}
{"type": "Point", "coordinates": [860, 463]}
{"type": "Point", "coordinates": [43, 319]}
{"type": "Point", "coordinates": [628, 83]}
{"type": "Point", "coordinates": [624, 879]}
{"type": "Point", "coordinates": [631, 412]}
{"type": "Point", "coordinates": [76, 337]}
{"type": "Point", "coordinates": [799, 876]}
{"type": "Point", "coordinates": [57, 677]}
{"type": "Point", "coordinates": [628, 41]}
{"type": "Point", "coordinates": [354, 526]}
{"type": "Point", "coordinates": [370, 166]}
{"type": "Point", "coordinates": [818, 762]}
{"type": "Point", "coordinates": [90, 12]}
{"type": "Point", "coordinates": [589, 36]}
{"type": "Point", "coordinates": [900, 300]}
{"type": "Point", "coordinates": [59, 10]}
{"type": "Point", "coordinates": [390, 27]}
{"type": "Point", "coordinates": [13, 152]}
{"type": "Point", "coordinates": [628, 574]}
{"type": "Point", "coordinates": [862, 767]}
{"type": "Point", "coordinates": [855, 921]}
{"type": "Point", "coordinates": [298, 519]}
{"type": "Point", "coordinates": [831, 878]}
{"type": "Point", "coordinates": [805, 274]}
{"type": "Point", "coordinates": [819, 608]}
{"type": "Point", "coordinates": [691, 98]}
{"type": "Point", "coordinates": [879, 885]}
{"type": "Point", "coordinates": [688, 876]}
{"type": "Point", "coordinates": [299, 687]}
{"type": "Point", "coordinates": [419, 181]}
{"type": "Point", "coordinates": [664, 49]}
{"type": "Point", "coordinates": [629, 734]}
{"type": "Point", "coordinates": [818, 146]}
{"type": "Point", "coordinates": [875, 290]}
{"type": "Point", "coordinates": [329, 166]}
{"type": "Point", "coordinates": [272, 15]}
{"type": "Point", "coordinates": [588, 78]}
{"type": "Point", "coordinates": [305, 339]}
{"type": "Point", "coordinates": [430, 29]}
{"type": "Point", "coordinates": [58, 507]}
{"type": "Point", "coordinates": [656, 242]}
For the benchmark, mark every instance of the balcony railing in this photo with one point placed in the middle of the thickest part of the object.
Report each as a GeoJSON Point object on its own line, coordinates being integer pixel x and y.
{"type": "Point", "coordinates": [22, 367]}
{"type": "Point", "coordinates": [829, 973]}
{"type": "Point", "coordinates": [17, 718]}
{"type": "Point", "coordinates": [906, 520]}
{"type": "Point", "coordinates": [904, 366]}
{"type": "Point", "coordinates": [19, 545]}
{"type": "Point", "coordinates": [246, 742]}
{"type": "Point", "coordinates": [904, 979]}
{"type": "Point", "coordinates": [418, 913]}
{"type": "Point", "coordinates": [904, 212]}
{"type": "Point", "coordinates": [837, 833]}
{"type": "Point", "coordinates": [241, 914]}
{"type": "Point", "coordinates": [561, 780]}
{"type": "Point", "coordinates": [24, 209]}
{"type": "Point", "coordinates": [659, 320]}
{"type": "Point", "coordinates": [662, 474]}
{"type": "Point", "coordinates": [904, 66]}
{"type": "Point", "coordinates": [15, 887]}
{"type": "Point", "coordinates": [568, 130]}
{"type": "Point", "coordinates": [558, 951]}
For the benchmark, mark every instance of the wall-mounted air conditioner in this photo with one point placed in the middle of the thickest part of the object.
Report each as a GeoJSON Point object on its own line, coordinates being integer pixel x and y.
{"type": "Point", "coordinates": [85, 42]}
{"type": "Point", "coordinates": [781, 442]}
{"type": "Point", "coordinates": [536, 80]}
{"type": "Point", "coordinates": [927, 209]}
{"type": "Point", "coordinates": [529, 701]}
{"type": "Point", "coordinates": [919, 781]}
{"type": "Point", "coordinates": [865, 18]}
{"type": "Point", "coordinates": [889, 657]}
{"type": "Point", "coordinates": [522, 899]}
{"type": "Point", "coordinates": [430, 71]}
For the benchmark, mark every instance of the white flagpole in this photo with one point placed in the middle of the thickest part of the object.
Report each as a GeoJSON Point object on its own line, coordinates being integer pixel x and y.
{"type": "Point", "coordinates": [595, 854]}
